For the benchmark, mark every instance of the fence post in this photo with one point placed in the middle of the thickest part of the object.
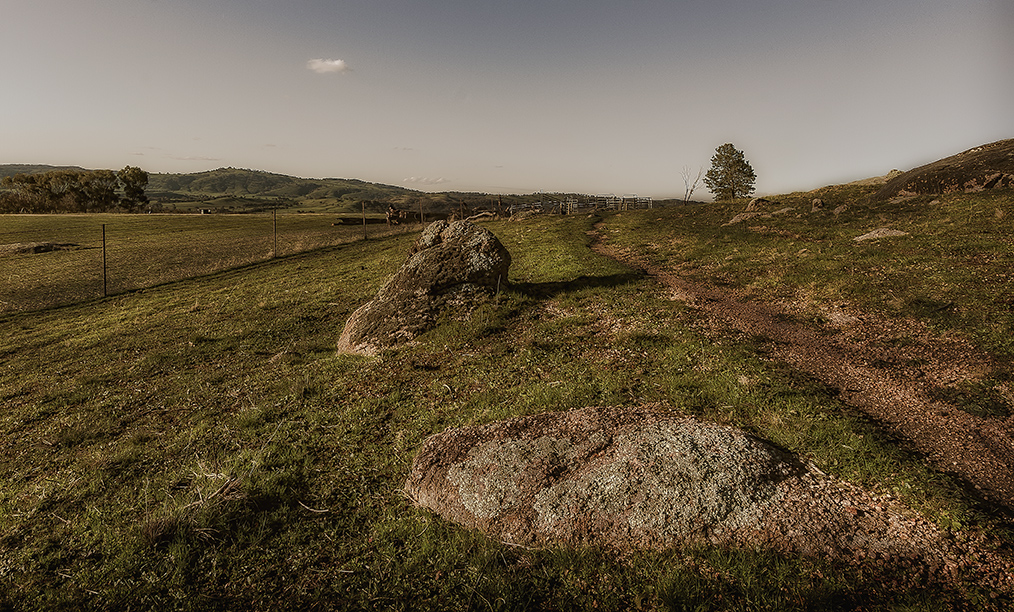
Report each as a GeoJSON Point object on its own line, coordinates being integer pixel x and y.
{"type": "Point", "coordinates": [364, 219]}
{"type": "Point", "coordinates": [105, 292]}
{"type": "Point", "coordinates": [274, 231]}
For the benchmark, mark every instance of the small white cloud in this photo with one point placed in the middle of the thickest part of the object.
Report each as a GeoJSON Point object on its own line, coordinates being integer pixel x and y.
{"type": "Point", "coordinates": [325, 66]}
{"type": "Point", "coordinates": [422, 180]}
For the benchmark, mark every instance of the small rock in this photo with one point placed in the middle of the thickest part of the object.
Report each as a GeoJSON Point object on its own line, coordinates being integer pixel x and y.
{"type": "Point", "coordinates": [882, 232]}
{"type": "Point", "coordinates": [743, 216]}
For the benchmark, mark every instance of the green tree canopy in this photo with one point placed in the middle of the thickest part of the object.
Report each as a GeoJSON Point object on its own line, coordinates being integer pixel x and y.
{"type": "Point", "coordinates": [730, 176]}
{"type": "Point", "coordinates": [134, 180]}
{"type": "Point", "coordinates": [73, 191]}
{"type": "Point", "coordinates": [99, 190]}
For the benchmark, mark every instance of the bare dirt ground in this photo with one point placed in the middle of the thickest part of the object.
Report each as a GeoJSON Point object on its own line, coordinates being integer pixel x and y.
{"type": "Point", "coordinates": [892, 371]}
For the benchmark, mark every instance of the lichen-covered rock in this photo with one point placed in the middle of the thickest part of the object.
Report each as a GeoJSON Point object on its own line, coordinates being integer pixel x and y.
{"type": "Point", "coordinates": [623, 477]}
{"type": "Point", "coordinates": [649, 477]}
{"type": "Point", "coordinates": [451, 269]}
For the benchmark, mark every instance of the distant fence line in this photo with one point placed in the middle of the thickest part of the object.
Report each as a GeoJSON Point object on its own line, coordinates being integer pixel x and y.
{"type": "Point", "coordinates": [55, 260]}
{"type": "Point", "coordinates": [574, 205]}
{"type": "Point", "coordinates": [60, 259]}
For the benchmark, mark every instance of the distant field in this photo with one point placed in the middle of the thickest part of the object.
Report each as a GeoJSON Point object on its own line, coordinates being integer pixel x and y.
{"type": "Point", "coordinates": [50, 260]}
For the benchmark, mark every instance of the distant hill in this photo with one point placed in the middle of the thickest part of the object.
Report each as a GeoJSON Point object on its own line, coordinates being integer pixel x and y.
{"type": "Point", "coordinates": [237, 189]}
{"type": "Point", "coordinates": [12, 169]}
{"type": "Point", "coordinates": [243, 190]}
{"type": "Point", "coordinates": [256, 183]}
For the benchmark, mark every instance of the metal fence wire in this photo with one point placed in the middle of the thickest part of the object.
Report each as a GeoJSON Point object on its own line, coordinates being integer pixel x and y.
{"type": "Point", "coordinates": [54, 260]}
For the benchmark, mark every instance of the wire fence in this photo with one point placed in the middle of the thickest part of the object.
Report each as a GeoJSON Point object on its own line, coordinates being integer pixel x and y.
{"type": "Point", "coordinates": [54, 260]}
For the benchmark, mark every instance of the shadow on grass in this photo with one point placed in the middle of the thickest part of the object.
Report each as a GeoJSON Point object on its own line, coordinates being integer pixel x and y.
{"type": "Point", "coordinates": [554, 288]}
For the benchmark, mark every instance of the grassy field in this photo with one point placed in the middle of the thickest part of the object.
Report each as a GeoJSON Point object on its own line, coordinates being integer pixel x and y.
{"type": "Point", "coordinates": [199, 445]}
{"type": "Point", "coordinates": [148, 250]}
{"type": "Point", "coordinates": [955, 269]}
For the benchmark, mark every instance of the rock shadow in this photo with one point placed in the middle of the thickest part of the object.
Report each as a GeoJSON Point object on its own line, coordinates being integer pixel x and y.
{"type": "Point", "coordinates": [554, 288]}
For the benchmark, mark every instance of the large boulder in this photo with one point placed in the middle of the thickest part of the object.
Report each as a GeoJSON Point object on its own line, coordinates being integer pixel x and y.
{"type": "Point", "coordinates": [452, 268]}
{"type": "Point", "coordinates": [648, 477]}
{"type": "Point", "coordinates": [990, 166]}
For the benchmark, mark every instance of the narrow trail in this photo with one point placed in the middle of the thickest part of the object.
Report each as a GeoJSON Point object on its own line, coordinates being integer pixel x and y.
{"type": "Point", "coordinates": [892, 371]}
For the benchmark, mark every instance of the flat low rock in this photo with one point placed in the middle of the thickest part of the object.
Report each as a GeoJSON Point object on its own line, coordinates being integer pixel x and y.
{"type": "Point", "coordinates": [880, 232]}
{"type": "Point", "coordinates": [649, 477]}
{"type": "Point", "coordinates": [34, 247]}
{"type": "Point", "coordinates": [452, 268]}
{"type": "Point", "coordinates": [745, 216]}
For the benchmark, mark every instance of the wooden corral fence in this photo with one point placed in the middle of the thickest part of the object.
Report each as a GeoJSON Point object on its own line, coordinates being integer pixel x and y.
{"type": "Point", "coordinates": [571, 205]}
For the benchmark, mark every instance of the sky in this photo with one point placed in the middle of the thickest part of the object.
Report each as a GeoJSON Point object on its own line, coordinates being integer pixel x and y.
{"type": "Point", "coordinates": [589, 96]}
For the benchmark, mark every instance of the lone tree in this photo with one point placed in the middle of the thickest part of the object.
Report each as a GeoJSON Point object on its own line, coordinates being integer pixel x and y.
{"type": "Point", "coordinates": [730, 176]}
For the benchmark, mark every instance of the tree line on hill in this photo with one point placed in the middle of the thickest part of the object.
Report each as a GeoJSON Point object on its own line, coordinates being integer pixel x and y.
{"type": "Point", "coordinates": [74, 191]}
{"type": "Point", "coordinates": [34, 190]}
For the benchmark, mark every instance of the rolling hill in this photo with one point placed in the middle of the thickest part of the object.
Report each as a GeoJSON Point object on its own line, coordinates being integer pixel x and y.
{"type": "Point", "coordinates": [256, 183]}
{"type": "Point", "coordinates": [244, 190]}
{"type": "Point", "coordinates": [12, 169]}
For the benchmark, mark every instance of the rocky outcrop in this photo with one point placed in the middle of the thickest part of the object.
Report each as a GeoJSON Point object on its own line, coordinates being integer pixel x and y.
{"type": "Point", "coordinates": [990, 166]}
{"type": "Point", "coordinates": [757, 204]}
{"type": "Point", "coordinates": [452, 268]}
{"type": "Point", "coordinates": [649, 477]}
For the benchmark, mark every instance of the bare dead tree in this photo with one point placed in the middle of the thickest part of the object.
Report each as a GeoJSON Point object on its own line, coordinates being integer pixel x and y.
{"type": "Point", "coordinates": [690, 182]}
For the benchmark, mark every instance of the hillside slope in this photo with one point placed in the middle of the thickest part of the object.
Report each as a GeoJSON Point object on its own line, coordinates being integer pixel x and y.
{"type": "Point", "coordinates": [12, 169]}
{"type": "Point", "coordinates": [986, 167]}
{"type": "Point", "coordinates": [241, 182]}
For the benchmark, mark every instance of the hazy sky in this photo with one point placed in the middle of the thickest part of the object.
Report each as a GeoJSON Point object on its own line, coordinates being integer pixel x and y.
{"type": "Point", "coordinates": [594, 96]}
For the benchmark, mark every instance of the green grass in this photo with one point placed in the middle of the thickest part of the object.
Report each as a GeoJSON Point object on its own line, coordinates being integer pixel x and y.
{"type": "Point", "coordinates": [148, 250]}
{"type": "Point", "coordinates": [954, 270]}
{"type": "Point", "coordinates": [199, 445]}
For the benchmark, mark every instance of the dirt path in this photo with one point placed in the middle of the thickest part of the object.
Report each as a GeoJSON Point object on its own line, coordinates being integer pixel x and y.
{"type": "Point", "coordinates": [890, 370]}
